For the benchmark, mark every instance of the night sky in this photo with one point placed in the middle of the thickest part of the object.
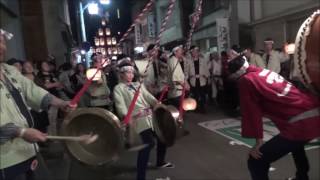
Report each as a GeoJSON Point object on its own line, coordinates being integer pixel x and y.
{"type": "Point", "coordinates": [93, 22]}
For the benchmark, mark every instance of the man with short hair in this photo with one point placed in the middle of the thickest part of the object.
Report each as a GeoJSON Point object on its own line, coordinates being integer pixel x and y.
{"type": "Point", "coordinates": [197, 73]}
{"type": "Point", "coordinates": [253, 58]}
{"type": "Point", "coordinates": [16, 63]}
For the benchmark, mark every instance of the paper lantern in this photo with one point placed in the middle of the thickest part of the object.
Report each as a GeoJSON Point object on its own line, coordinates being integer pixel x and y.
{"type": "Point", "coordinates": [101, 41]}
{"type": "Point", "coordinates": [108, 41]}
{"type": "Point", "coordinates": [93, 72]}
{"type": "Point", "coordinates": [96, 41]}
{"type": "Point", "coordinates": [100, 32]}
{"type": "Point", "coordinates": [290, 48]}
{"type": "Point", "coordinates": [103, 23]}
{"type": "Point", "coordinates": [189, 104]}
{"type": "Point", "coordinates": [109, 51]}
{"type": "Point", "coordinates": [115, 51]}
{"type": "Point", "coordinates": [108, 33]}
{"type": "Point", "coordinates": [114, 41]}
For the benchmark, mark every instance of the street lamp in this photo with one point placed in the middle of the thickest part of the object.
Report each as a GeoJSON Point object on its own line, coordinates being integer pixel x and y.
{"type": "Point", "coordinates": [105, 1]}
{"type": "Point", "coordinates": [93, 9]}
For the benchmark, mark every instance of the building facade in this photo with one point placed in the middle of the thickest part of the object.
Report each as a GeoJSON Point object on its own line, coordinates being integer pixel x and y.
{"type": "Point", "coordinates": [279, 20]}
{"type": "Point", "coordinates": [37, 27]}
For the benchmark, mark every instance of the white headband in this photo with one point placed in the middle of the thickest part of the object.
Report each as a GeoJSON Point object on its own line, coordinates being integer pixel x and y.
{"type": "Point", "coordinates": [6, 34]}
{"type": "Point", "coordinates": [126, 68]}
{"type": "Point", "coordinates": [124, 59]}
{"type": "Point", "coordinates": [269, 42]}
{"type": "Point", "coordinates": [176, 48]}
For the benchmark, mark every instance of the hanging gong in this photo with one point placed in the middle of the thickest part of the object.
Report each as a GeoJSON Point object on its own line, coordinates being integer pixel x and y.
{"type": "Point", "coordinates": [165, 123]}
{"type": "Point", "coordinates": [105, 124]}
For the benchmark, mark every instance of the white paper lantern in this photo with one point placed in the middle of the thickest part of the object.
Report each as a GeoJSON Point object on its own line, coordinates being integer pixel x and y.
{"type": "Point", "coordinates": [108, 32]}
{"type": "Point", "coordinates": [100, 32]}
{"type": "Point", "coordinates": [290, 48]}
{"type": "Point", "coordinates": [108, 41]}
{"type": "Point", "coordinates": [189, 104]}
{"type": "Point", "coordinates": [114, 41]}
{"type": "Point", "coordinates": [93, 72]}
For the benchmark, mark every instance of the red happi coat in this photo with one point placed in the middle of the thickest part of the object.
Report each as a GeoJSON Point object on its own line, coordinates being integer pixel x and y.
{"type": "Point", "coordinates": [266, 93]}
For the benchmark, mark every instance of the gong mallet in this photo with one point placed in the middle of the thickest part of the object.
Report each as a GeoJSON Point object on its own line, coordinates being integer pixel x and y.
{"type": "Point", "coordinates": [86, 138]}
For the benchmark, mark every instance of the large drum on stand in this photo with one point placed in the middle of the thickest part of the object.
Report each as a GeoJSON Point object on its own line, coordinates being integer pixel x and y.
{"type": "Point", "coordinates": [307, 53]}
{"type": "Point", "coordinates": [107, 148]}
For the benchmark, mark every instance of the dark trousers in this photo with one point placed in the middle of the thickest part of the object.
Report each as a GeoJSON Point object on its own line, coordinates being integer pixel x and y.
{"type": "Point", "coordinates": [275, 149]}
{"type": "Point", "coordinates": [174, 102]}
{"type": "Point", "coordinates": [148, 137]}
{"type": "Point", "coordinates": [19, 171]}
{"type": "Point", "coordinates": [199, 93]}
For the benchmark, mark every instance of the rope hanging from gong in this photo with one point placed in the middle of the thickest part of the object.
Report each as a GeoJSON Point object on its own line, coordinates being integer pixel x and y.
{"type": "Point", "coordinates": [162, 29]}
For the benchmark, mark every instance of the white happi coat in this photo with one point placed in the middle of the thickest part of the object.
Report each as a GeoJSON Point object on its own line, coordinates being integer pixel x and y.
{"type": "Point", "coordinates": [275, 60]}
{"type": "Point", "coordinates": [256, 60]}
{"type": "Point", "coordinates": [142, 113]}
{"type": "Point", "coordinates": [175, 74]}
{"type": "Point", "coordinates": [203, 75]}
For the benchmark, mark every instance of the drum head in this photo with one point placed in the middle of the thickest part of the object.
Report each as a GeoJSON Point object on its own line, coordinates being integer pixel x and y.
{"type": "Point", "coordinates": [307, 54]}
{"type": "Point", "coordinates": [109, 144]}
{"type": "Point", "coordinates": [165, 123]}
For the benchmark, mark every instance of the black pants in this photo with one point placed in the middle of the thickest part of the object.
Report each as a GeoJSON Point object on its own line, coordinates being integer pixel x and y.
{"type": "Point", "coordinates": [148, 137]}
{"type": "Point", "coordinates": [19, 171]}
{"type": "Point", "coordinates": [275, 149]}
{"type": "Point", "coordinates": [174, 102]}
{"type": "Point", "coordinates": [199, 93]}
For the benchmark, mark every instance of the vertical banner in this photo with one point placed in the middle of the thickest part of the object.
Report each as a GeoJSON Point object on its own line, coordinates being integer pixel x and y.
{"type": "Point", "coordinates": [151, 25]}
{"type": "Point", "coordinates": [137, 33]}
{"type": "Point", "coordinates": [223, 36]}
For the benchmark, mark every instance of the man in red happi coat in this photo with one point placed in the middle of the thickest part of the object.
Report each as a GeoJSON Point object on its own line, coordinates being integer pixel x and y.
{"type": "Point", "coordinates": [295, 113]}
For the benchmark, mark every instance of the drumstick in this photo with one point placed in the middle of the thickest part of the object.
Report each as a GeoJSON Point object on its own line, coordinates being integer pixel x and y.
{"type": "Point", "coordinates": [87, 138]}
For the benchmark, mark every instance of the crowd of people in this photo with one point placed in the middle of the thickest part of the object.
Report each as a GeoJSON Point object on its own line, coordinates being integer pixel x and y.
{"type": "Point", "coordinates": [209, 78]}
{"type": "Point", "coordinates": [204, 76]}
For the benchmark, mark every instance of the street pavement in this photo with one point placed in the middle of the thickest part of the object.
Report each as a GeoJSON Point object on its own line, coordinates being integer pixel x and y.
{"type": "Point", "coordinates": [201, 155]}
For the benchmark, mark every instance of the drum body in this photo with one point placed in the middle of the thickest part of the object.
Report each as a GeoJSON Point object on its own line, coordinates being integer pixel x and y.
{"type": "Point", "coordinates": [105, 124]}
{"type": "Point", "coordinates": [307, 53]}
{"type": "Point", "coordinates": [165, 122]}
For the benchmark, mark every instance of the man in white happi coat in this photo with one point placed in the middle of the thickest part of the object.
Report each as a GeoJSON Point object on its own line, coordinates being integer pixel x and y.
{"type": "Point", "coordinates": [197, 72]}
{"type": "Point", "coordinates": [272, 58]}
{"type": "Point", "coordinates": [176, 76]}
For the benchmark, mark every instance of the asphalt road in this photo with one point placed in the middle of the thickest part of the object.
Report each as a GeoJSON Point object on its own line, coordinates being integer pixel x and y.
{"type": "Point", "coordinates": [201, 155]}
